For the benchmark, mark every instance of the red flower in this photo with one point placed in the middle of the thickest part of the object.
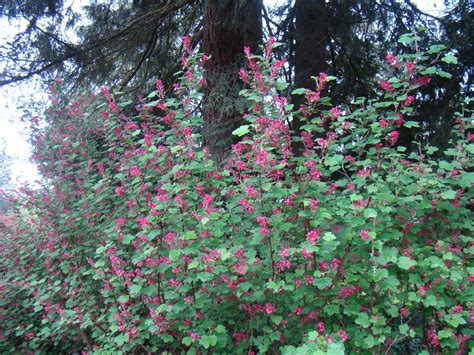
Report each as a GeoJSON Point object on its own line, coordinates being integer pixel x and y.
{"type": "Point", "coordinates": [387, 86]}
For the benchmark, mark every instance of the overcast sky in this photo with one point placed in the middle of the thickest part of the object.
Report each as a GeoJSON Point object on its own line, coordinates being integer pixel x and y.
{"type": "Point", "coordinates": [12, 130]}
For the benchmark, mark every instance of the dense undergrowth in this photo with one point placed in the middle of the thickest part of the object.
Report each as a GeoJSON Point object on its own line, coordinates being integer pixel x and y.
{"type": "Point", "coordinates": [138, 242]}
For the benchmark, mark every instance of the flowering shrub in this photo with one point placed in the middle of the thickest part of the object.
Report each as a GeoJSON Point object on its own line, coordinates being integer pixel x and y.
{"type": "Point", "coordinates": [139, 242]}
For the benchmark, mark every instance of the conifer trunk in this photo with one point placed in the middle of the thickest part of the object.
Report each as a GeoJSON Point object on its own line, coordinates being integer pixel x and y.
{"type": "Point", "coordinates": [229, 26]}
{"type": "Point", "coordinates": [311, 38]}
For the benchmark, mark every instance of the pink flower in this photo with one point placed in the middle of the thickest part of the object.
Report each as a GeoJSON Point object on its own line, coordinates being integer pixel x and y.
{"type": "Point", "coordinates": [342, 333]}
{"type": "Point", "coordinates": [312, 96]}
{"type": "Point", "coordinates": [313, 205]}
{"type": "Point", "coordinates": [409, 101]}
{"type": "Point", "coordinates": [432, 337]}
{"type": "Point", "coordinates": [386, 86]}
{"type": "Point", "coordinates": [350, 159]}
{"type": "Point", "coordinates": [240, 268]}
{"type": "Point", "coordinates": [244, 76]}
{"type": "Point", "coordinates": [187, 44]}
{"type": "Point", "coordinates": [195, 336]}
{"type": "Point", "coordinates": [364, 234]}
{"type": "Point", "coordinates": [130, 125]}
{"type": "Point", "coordinates": [320, 327]}
{"type": "Point", "coordinates": [269, 309]}
{"type": "Point", "coordinates": [410, 67]}
{"type": "Point", "coordinates": [244, 203]}
{"type": "Point", "coordinates": [421, 81]}
{"type": "Point", "coordinates": [346, 292]}
{"type": "Point", "coordinates": [335, 112]}
{"type": "Point", "coordinates": [159, 86]}
{"type": "Point", "coordinates": [312, 236]}
{"type": "Point", "coordinates": [404, 312]}
{"type": "Point", "coordinates": [284, 253]}
{"type": "Point", "coordinates": [134, 170]}
{"type": "Point", "coordinates": [322, 77]}
{"type": "Point", "coordinates": [422, 291]}
{"type": "Point", "coordinates": [363, 172]}
{"type": "Point", "coordinates": [251, 192]}
{"type": "Point", "coordinates": [262, 221]}
{"type": "Point", "coordinates": [322, 142]}
{"type": "Point", "coordinates": [393, 137]}
{"type": "Point", "coordinates": [391, 59]}
{"type": "Point", "coordinates": [100, 167]}
{"type": "Point", "coordinates": [269, 46]}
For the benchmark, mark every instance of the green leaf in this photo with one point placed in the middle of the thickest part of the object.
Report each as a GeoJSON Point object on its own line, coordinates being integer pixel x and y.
{"type": "Point", "coordinates": [369, 341]}
{"type": "Point", "coordinates": [370, 213]}
{"type": "Point", "coordinates": [276, 319]}
{"type": "Point", "coordinates": [220, 329]}
{"type": "Point", "coordinates": [443, 74]}
{"type": "Point", "coordinates": [193, 265]}
{"type": "Point", "coordinates": [390, 283]}
{"type": "Point", "coordinates": [208, 341]}
{"type": "Point", "coordinates": [406, 38]}
{"type": "Point", "coordinates": [121, 339]}
{"type": "Point", "coordinates": [241, 131]}
{"type": "Point", "coordinates": [335, 348]}
{"type": "Point", "coordinates": [322, 282]}
{"type": "Point", "coordinates": [174, 254]}
{"type": "Point", "coordinates": [455, 320]}
{"type": "Point", "coordinates": [334, 160]}
{"type": "Point", "coordinates": [313, 335]}
{"type": "Point", "coordinates": [411, 124]}
{"type": "Point", "coordinates": [436, 48]}
{"type": "Point", "coordinates": [405, 263]}
{"type": "Point", "coordinates": [135, 289]}
{"type": "Point", "coordinates": [429, 71]}
{"type": "Point", "coordinates": [450, 59]}
{"type": "Point", "coordinates": [127, 239]}
{"type": "Point", "coordinates": [431, 150]}
{"type": "Point", "coordinates": [328, 236]}
{"type": "Point", "coordinates": [363, 320]}
{"type": "Point", "coordinates": [187, 341]}
{"type": "Point", "coordinates": [430, 300]}
{"type": "Point", "coordinates": [403, 328]}
{"type": "Point", "coordinates": [380, 274]}
{"type": "Point", "coordinates": [189, 235]}
{"type": "Point", "coordinates": [299, 91]}
{"type": "Point", "coordinates": [123, 298]}
{"type": "Point", "coordinates": [176, 148]}
{"type": "Point", "coordinates": [445, 165]}
{"type": "Point", "coordinates": [445, 333]}
{"type": "Point", "coordinates": [448, 195]}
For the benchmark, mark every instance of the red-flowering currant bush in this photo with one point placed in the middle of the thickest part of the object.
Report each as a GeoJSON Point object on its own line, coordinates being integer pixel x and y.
{"type": "Point", "coordinates": [138, 242]}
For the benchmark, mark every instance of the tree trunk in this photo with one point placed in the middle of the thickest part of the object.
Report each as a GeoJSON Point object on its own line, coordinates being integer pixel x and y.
{"type": "Point", "coordinates": [229, 26]}
{"type": "Point", "coordinates": [310, 49]}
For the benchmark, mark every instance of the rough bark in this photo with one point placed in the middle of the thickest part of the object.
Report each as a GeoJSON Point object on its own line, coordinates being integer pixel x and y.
{"type": "Point", "coordinates": [229, 26]}
{"type": "Point", "coordinates": [311, 38]}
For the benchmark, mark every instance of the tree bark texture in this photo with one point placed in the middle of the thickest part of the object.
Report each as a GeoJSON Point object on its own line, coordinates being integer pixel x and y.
{"type": "Point", "coordinates": [311, 38]}
{"type": "Point", "coordinates": [229, 26]}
